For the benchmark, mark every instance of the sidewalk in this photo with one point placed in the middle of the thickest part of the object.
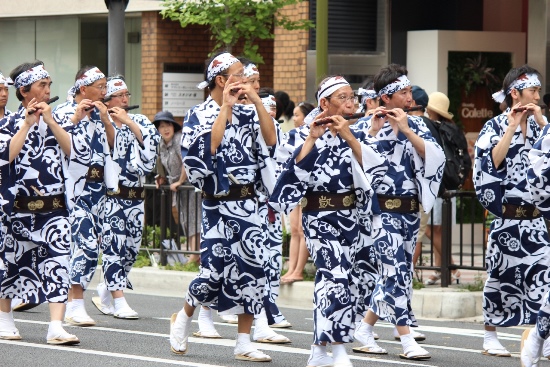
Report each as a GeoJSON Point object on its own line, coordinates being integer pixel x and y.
{"type": "Point", "coordinates": [429, 302]}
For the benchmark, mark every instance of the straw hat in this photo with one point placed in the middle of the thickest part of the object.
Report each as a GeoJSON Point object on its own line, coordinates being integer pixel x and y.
{"type": "Point", "coordinates": [439, 102]}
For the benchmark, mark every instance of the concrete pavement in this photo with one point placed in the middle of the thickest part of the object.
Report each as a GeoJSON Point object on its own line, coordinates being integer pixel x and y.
{"type": "Point", "coordinates": [429, 302]}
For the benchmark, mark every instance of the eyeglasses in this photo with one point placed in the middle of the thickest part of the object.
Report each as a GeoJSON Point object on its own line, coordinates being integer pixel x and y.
{"type": "Point", "coordinates": [100, 87]}
{"type": "Point", "coordinates": [127, 95]}
{"type": "Point", "coordinates": [343, 98]}
{"type": "Point", "coordinates": [241, 75]}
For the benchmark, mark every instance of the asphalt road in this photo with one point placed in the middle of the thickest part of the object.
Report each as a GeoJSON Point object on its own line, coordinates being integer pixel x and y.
{"type": "Point", "coordinates": [144, 342]}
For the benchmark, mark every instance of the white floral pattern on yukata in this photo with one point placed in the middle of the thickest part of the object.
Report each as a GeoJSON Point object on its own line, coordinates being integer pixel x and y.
{"type": "Point", "coordinates": [331, 236]}
{"type": "Point", "coordinates": [233, 247]}
{"type": "Point", "coordinates": [517, 258]}
{"type": "Point", "coordinates": [123, 222]}
{"type": "Point", "coordinates": [394, 234]}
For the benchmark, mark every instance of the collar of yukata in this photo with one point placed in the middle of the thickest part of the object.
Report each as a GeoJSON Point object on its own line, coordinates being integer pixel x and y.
{"type": "Point", "coordinates": [330, 86]}
{"type": "Point", "coordinates": [30, 76]}
{"type": "Point", "coordinates": [250, 70]}
{"type": "Point", "coordinates": [395, 86]}
{"type": "Point", "coordinates": [88, 78]}
{"type": "Point", "coordinates": [220, 63]}
{"type": "Point", "coordinates": [5, 80]}
{"type": "Point", "coordinates": [366, 94]}
{"type": "Point", "coordinates": [114, 85]}
{"type": "Point", "coordinates": [269, 101]}
{"type": "Point", "coordinates": [522, 82]}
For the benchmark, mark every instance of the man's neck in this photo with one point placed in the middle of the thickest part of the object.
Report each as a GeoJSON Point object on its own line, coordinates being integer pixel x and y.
{"type": "Point", "coordinates": [2, 112]}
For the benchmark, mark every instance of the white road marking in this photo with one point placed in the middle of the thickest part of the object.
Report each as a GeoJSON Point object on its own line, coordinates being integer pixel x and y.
{"type": "Point", "coordinates": [106, 354]}
{"type": "Point", "coordinates": [204, 341]}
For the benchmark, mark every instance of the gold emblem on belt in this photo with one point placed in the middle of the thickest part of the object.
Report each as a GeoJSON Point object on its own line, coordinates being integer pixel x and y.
{"type": "Point", "coordinates": [393, 204]}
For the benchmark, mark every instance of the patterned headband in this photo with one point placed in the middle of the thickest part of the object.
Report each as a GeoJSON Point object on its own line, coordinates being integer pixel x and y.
{"type": "Point", "coordinates": [395, 86]}
{"type": "Point", "coordinates": [30, 76]}
{"type": "Point", "coordinates": [330, 86]}
{"type": "Point", "coordinates": [221, 62]}
{"type": "Point", "coordinates": [250, 70]}
{"type": "Point", "coordinates": [5, 81]}
{"type": "Point", "coordinates": [366, 94]}
{"type": "Point", "coordinates": [269, 101]}
{"type": "Point", "coordinates": [88, 78]}
{"type": "Point", "coordinates": [522, 82]}
{"type": "Point", "coordinates": [114, 85]}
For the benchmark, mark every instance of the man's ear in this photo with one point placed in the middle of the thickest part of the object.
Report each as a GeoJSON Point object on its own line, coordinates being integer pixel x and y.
{"type": "Point", "coordinates": [323, 103]}
{"type": "Point", "coordinates": [220, 81]}
{"type": "Point", "coordinates": [385, 98]}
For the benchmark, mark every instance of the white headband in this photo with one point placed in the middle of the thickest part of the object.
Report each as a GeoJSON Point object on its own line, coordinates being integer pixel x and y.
{"type": "Point", "coordinates": [395, 86]}
{"type": "Point", "coordinates": [5, 81]}
{"type": "Point", "coordinates": [114, 85]}
{"type": "Point", "coordinates": [269, 101]}
{"type": "Point", "coordinates": [250, 70]}
{"type": "Point", "coordinates": [30, 76]}
{"type": "Point", "coordinates": [330, 86]}
{"type": "Point", "coordinates": [366, 94]}
{"type": "Point", "coordinates": [220, 63]}
{"type": "Point", "coordinates": [522, 82]}
{"type": "Point", "coordinates": [88, 78]}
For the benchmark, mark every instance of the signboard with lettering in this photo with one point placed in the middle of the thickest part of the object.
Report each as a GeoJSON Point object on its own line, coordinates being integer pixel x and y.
{"type": "Point", "coordinates": [180, 92]}
{"type": "Point", "coordinates": [475, 109]}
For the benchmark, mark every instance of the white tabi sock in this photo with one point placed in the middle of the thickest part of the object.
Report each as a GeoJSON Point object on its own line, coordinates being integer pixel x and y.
{"type": "Point", "coordinates": [55, 328]}
{"type": "Point", "coordinates": [120, 303]}
{"type": "Point", "coordinates": [490, 341]}
{"type": "Point", "coordinates": [6, 321]}
{"type": "Point", "coordinates": [339, 354]}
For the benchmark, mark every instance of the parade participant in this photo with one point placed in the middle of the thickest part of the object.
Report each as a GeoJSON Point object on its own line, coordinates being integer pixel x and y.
{"type": "Point", "coordinates": [86, 212]}
{"type": "Point", "coordinates": [416, 165]}
{"type": "Point", "coordinates": [369, 99]}
{"type": "Point", "coordinates": [37, 244]}
{"type": "Point", "coordinates": [134, 154]}
{"type": "Point", "coordinates": [518, 248]}
{"type": "Point", "coordinates": [4, 94]}
{"type": "Point", "coordinates": [332, 173]}
{"type": "Point", "coordinates": [229, 150]}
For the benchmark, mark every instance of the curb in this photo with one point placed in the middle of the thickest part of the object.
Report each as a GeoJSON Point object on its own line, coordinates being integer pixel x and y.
{"type": "Point", "coordinates": [446, 303]}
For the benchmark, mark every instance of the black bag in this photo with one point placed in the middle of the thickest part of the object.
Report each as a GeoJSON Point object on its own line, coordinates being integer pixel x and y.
{"type": "Point", "coordinates": [457, 160]}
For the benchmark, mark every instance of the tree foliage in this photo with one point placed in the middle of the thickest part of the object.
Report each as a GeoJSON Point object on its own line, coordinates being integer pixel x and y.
{"type": "Point", "coordinates": [233, 20]}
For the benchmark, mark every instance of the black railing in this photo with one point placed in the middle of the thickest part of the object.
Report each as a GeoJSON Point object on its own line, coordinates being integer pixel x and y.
{"type": "Point", "coordinates": [163, 225]}
{"type": "Point", "coordinates": [470, 236]}
{"type": "Point", "coordinates": [166, 227]}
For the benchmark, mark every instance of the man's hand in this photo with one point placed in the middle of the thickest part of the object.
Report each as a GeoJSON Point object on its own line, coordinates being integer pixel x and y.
{"type": "Point", "coordinates": [120, 115]}
{"type": "Point", "coordinates": [377, 122]}
{"type": "Point", "coordinates": [80, 111]}
{"type": "Point", "coordinates": [515, 118]}
{"type": "Point", "coordinates": [316, 131]}
{"type": "Point", "coordinates": [536, 111]}
{"type": "Point", "coordinates": [398, 120]}
{"type": "Point", "coordinates": [231, 91]}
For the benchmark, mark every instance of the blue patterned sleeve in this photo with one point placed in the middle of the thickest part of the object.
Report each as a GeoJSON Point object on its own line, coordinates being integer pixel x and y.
{"type": "Point", "coordinates": [538, 175]}
{"type": "Point", "coordinates": [488, 179]}
{"type": "Point", "coordinates": [428, 169]}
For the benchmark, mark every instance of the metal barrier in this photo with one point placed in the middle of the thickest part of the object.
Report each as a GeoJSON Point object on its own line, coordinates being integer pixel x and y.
{"type": "Point", "coordinates": [472, 241]}
{"type": "Point", "coordinates": [162, 223]}
{"type": "Point", "coordinates": [168, 225]}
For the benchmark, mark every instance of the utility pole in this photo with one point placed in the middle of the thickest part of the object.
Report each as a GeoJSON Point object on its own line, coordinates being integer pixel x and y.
{"type": "Point", "coordinates": [321, 39]}
{"type": "Point", "coordinates": [116, 36]}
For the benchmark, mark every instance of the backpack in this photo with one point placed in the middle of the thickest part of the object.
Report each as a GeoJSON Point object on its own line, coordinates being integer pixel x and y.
{"type": "Point", "coordinates": [457, 159]}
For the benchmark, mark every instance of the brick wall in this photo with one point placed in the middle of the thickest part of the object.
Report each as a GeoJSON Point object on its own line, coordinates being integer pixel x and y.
{"type": "Point", "coordinates": [289, 64]}
{"type": "Point", "coordinates": [164, 41]}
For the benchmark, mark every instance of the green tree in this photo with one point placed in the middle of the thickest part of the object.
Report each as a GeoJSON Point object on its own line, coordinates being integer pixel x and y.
{"type": "Point", "coordinates": [233, 20]}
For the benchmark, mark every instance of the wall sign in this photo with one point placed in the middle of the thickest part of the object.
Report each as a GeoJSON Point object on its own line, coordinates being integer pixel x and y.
{"type": "Point", "coordinates": [180, 92]}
